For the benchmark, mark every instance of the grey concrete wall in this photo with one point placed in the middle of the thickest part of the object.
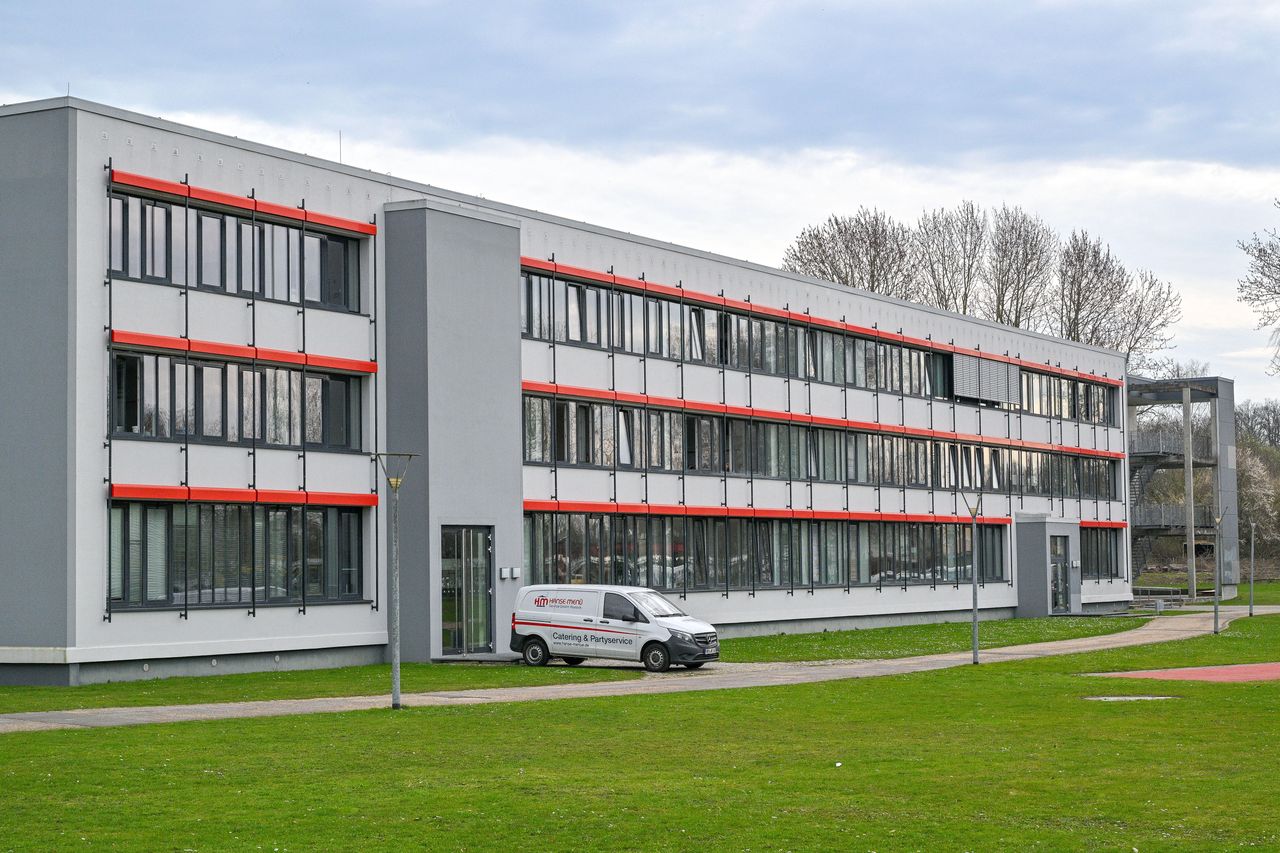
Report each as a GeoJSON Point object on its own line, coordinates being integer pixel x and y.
{"type": "Point", "coordinates": [1224, 414]}
{"type": "Point", "coordinates": [453, 338]}
{"type": "Point", "coordinates": [37, 382]}
{"type": "Point", "coordinates": [1035, 593]}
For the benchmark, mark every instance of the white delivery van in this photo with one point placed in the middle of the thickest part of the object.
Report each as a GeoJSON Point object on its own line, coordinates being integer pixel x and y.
{"type": "Point", "coordinates": [581, 621]}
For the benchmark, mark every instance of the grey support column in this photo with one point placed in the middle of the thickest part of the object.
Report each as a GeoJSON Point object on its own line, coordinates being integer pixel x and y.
{"type": "Point", "coordinates": [1189, 490]}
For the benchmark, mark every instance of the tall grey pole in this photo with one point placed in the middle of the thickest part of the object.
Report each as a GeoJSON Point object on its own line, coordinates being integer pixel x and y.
{"type": "Point", "coordinates": [394, 482]}
{"type": "Point", "coordinates": [1189, 491]}
{"type": "Point", "coordinates": [974, 563]}
{"type": "Point", "coordinates": [1253, 536]}
{"type": "Point", "coordinates": [1217, 569]}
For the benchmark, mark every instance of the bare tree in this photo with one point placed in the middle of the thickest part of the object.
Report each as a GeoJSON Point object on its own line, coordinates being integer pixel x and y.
{"type": "Point", "coordinates": [1260, 287]}
{"type": "Point", "coordinates": [1099, 302]}
{"type": "Point", "coordinates": [1018, 270]}
{"type": "Point", "coordinates": [868, 250]}
{"type": "Point", "coordinates": [950, 246]}
{"type": "Point", "coordinates": [1090, 279]}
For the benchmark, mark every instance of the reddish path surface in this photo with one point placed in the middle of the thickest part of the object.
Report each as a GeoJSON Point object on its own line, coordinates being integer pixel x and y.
{"type": "Point", "coordinates": [1234, 672]}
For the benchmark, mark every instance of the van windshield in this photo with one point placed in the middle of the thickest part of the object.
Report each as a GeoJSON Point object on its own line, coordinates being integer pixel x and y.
{"type": "Point", "coordinates": [656, 604]}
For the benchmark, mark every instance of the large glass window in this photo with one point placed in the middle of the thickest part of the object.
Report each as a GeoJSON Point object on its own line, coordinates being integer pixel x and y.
{"type": "Point", "coordinates": [174, 555]}
{"type": "Point", "coordinates": [162, 397]}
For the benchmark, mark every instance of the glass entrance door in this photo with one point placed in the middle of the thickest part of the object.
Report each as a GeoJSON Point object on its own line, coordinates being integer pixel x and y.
{"type": "Point", "coordinates": [466, 590]}
{"type": "Point", "coordinates": [1058, 575]}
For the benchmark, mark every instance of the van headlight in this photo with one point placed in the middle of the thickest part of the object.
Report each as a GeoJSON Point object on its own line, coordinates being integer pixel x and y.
{"type": "Point", "coordinates": [681, 635]}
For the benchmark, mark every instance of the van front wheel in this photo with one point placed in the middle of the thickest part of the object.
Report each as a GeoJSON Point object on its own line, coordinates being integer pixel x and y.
{"type": "Point", "coordinates": [656, 658]}
{"type": "Point", "coordinates": [535, 652]}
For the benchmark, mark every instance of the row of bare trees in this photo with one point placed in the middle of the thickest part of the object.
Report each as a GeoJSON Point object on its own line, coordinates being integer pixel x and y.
{"type": "Point", "coordinates": [1005, 265]}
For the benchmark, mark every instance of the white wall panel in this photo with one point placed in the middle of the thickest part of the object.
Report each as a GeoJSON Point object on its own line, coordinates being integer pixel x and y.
{"type": "Point", "coordinates": [339, 334]}
{"type": "Point", "coordinates": [150, 308]}
{"type": "Point", "coordinates": [339, 472]}
{"type": "Point", "coordinates": [147, 463]}
{"type": "Point", "coordinates": [279, 326]}
{"type": "Point", "coordinates": [217, 317]}
{"type": "Point", "coordinates": [279, 469]}
{"type": "Point", "coordinates": [220, 465]}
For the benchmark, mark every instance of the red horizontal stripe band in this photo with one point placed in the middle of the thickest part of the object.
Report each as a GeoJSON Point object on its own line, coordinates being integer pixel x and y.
{"type": "Point", "coordinates": [1110, 524]}
{"type": "Point", "coordinates": [688, 295]}
{"type": "Point", "coordinates": [129, 179]}
{"type": "Point", "coordinates": [610, 508]}
{"type": "Point", "coordinates": [241, 351]}
{"type": "Point", "coordinates": [800, 417]}
{"type": "Point", "coordinates": [219, 494]}
{"type": "Point", "coordinates": [591, 628]}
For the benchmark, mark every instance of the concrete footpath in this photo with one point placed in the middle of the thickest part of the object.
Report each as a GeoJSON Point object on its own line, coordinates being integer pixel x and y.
{"type": "Point", "coordinates": [720, 676]}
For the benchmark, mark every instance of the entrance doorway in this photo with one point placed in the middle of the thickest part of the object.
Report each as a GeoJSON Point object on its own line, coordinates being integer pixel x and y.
{"type": "Point", "coordinates": [466, 590]}
{"type": "Point", "coordinates": [1058, 573]}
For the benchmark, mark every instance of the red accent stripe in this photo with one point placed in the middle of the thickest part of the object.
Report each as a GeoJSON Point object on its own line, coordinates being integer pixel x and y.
{"type": "Point", "coordinates": [243, 351]}
{"type": "Point", "coordinates": [142, 339]}
{"type": "Point", "coordinates": [221, 494]}
{"type": "Point", "coordinates": [341, 224]}
{"type": "Point", "coordinates": [282, 356]}
{"type": "Point", "coordinates": [341, 499]}
{"type": "Point", "coordinates": [688, 295]}
{"type": "Point", "coordinates": [747, 512]}
{"type": "Point", "coordinates": [153, 493]}
{"type": "Point", "coordinates": [233, 350]}
{"type": "Point", "coordinates": [283, 211]}
{"type": "Point", "coordinates": [333, 362]}
{"type": "Point", "coordinates": [573, 627]}
{"type": "Point", "coordinates": [1116, 525]}
{"type": "Point", "coordinates": [225, 199]}
{"type": "Point", "coordinates": [239, 496]}
{"type": "Point", "coordinates": [800, 417]}
{"type": "Point", "coordinates": [129, 179]}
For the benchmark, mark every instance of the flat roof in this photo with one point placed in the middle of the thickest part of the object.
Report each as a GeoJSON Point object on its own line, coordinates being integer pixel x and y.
{"type": "Point", "coordinates": [67, 102]}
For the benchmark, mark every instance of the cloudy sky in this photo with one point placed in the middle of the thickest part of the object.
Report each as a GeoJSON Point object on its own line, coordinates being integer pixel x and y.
{"type": "Point", "coordinates": [731, 125]}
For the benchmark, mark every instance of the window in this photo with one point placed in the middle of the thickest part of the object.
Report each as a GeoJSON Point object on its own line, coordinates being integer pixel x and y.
{"type": "Point", "coordinates": [209, 249]}
{"type": "Point", "coordinates": [173, 555]}
{"type": "Point", "coordinates": [333, 411]}
{"type": "Point", "coordinates": [155, 241]}
{"type": "Point", "coordinates": [620, 608]}
{"type": "Point", "coordinates": [160, 397]}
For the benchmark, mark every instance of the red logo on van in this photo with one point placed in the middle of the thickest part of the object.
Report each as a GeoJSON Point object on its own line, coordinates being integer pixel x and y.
{"type": "Point", "coordinates": [541, 601]}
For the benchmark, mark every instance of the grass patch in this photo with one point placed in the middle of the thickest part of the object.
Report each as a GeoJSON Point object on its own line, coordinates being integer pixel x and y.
{"type": "Point", "coordinates": [1003, 756]}
{"type": "Point", "coordinates": [1264, 592]}
{"type": "Point", "coordinates": [903, 641]}
{"type": "Point", "coordinates": [302, 684]}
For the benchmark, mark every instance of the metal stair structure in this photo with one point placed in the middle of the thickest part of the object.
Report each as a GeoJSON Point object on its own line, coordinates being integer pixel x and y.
{"type": "Point", "coordinates": [1163, 447]}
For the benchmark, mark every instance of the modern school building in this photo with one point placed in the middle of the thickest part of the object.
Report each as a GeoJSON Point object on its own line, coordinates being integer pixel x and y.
{"type": "Point", "coordinates": [208, 340]}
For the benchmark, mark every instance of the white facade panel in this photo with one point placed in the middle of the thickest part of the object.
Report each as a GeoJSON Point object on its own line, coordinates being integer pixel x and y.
{"type": "Point", "coordinates": [339, 334]}
{"type": "Point", "coordinates": [279, 326]}
{"type": "Point", "coordinates": [147, 308]}
{"type": "Point", "coordinates": [339, 472]}
{"type": "Point", "coordinates": [223, 466]}
{"type": "Point", "coordinates": [278, 469]}
{"type": "Point", "coordinates": [147, 463]}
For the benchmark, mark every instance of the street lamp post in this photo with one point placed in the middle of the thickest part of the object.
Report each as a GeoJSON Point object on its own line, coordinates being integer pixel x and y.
{"type": "Point", "coordinates": [1253, 536]}
{"type": "Point", "coordinates": [974, 509]}
{"type": "Point", "coordinates": [394, 466]}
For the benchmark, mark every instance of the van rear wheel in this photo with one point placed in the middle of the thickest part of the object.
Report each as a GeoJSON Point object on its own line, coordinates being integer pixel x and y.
{"type": "Point", "coordinates": [656, 658]}
{"type": "Point", "coordinates": [535, 652]}
{"type": "Point", "coordinates": [573, 661]}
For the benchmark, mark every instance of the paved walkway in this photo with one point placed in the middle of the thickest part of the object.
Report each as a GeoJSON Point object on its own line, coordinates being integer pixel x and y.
{"type": "Point", "coordinates": [720, 676]}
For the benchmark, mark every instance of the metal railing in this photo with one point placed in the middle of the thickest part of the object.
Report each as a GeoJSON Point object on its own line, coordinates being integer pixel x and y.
{"type": "Point", "coordinates": [1170, 515]}
{"type": "Point", "coordinates": [1170, 442]}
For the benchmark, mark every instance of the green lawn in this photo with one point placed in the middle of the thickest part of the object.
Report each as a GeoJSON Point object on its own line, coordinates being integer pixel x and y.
{"type": "Point", "coordinates": [911, 640]}
{"type": "Point", "coordinates": [305, 684]}
{"type": "Point", "coordinates": [1002, 756]}
{"type": "Point", "coordinates": [1264, 592]}
{"type": "Point", "coordinates": [371, 680]}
